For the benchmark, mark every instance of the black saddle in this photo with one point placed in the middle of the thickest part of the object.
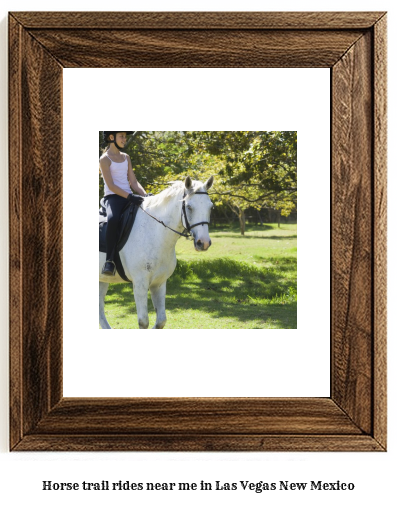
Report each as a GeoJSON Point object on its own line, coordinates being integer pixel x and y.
{"type": "Point", "coordinates": [126, 222]}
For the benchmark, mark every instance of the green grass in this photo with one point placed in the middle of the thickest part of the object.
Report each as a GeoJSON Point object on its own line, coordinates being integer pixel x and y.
{"type": "Point", "coordinates": [241, 282]}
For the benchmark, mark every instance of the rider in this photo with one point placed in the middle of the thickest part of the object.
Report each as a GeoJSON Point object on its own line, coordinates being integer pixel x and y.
{"type": "Point", "coordinates": [119, 178]}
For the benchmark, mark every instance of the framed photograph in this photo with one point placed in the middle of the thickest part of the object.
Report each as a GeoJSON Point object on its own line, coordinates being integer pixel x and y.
{"type": "Point", "coordinates": [353, 47]}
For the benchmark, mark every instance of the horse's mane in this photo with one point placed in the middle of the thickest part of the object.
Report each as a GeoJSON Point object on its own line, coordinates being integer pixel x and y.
{"type": "Point", "coordinates": [176, 190]}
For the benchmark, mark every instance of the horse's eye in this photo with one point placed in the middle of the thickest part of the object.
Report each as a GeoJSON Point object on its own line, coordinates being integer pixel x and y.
{"type": "Point", "coordinates": [189, 207]}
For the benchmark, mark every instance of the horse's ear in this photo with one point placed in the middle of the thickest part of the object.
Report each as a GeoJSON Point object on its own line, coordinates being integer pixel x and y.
{"type": "Point", "coordinates": [188, 183]}
{"type": "Point", "coordinates": [209, 182]}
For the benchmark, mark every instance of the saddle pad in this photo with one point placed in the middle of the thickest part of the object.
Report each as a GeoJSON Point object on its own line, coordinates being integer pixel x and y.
{"type": "Point", "coordinates": [126, 223]}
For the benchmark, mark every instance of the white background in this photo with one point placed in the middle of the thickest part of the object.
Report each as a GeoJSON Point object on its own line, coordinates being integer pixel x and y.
{"type": "Point", "coordinates": [373, 474]}
{"type": "Point", "coordinates": [135, 361]}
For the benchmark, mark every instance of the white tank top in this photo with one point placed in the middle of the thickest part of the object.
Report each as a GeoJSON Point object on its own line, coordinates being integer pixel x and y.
{"type": "Point", "coordinates": [119, 172]}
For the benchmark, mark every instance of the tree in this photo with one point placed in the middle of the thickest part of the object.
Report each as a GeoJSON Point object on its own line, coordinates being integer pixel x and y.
{"type": "Point", "coordinates": [252, 168]}
{"type": "Point", "coordinates": [257, 168]}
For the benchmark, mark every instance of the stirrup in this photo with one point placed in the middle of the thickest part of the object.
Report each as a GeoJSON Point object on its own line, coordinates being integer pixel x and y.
{"type": "Point", "coordinates": [109, 268]}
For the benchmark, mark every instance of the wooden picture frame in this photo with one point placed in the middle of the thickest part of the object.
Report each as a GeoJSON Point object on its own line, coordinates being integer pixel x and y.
{"type": "Point", "coordinates": [353, 46]}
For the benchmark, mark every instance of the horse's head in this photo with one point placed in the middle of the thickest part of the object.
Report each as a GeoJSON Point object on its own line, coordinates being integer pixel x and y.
{"type": "Point", "coordinates": [197, 211]}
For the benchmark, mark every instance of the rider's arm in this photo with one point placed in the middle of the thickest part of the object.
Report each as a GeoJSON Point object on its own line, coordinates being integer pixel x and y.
{"type": "Point", "coordinates": [134, 183]}
{"type": "Point", "coordinates": [104, 164]}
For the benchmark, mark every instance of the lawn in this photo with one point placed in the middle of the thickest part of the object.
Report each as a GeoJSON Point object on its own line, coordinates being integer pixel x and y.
{"type": "Point", "coordinates": [241, 282]}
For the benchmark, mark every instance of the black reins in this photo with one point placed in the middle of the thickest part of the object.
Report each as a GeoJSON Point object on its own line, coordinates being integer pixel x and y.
{"type": "Point", "coordinates": [187, 226]}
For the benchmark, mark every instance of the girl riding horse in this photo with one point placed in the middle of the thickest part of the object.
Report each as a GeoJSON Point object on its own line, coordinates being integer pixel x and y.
{"type": "Point", "coordinates": [119, 179]}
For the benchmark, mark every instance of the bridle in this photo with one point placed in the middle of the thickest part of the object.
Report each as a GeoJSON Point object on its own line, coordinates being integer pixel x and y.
{"type": "Point", "coordinates": [187, 227]}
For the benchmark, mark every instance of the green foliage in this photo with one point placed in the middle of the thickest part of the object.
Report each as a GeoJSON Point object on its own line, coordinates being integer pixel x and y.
{"type": "Point", "coordinates": [251, 168]}
{"type": "Point", "coordinates": [257, 169]}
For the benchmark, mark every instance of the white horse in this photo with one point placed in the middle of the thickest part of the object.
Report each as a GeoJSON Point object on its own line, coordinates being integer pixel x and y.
{"type": "Point", "coordinates": [149, 257]}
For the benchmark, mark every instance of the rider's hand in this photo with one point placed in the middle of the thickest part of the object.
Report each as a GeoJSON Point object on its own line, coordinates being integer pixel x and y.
{"type": "Point", "coordinates": [135, 199]}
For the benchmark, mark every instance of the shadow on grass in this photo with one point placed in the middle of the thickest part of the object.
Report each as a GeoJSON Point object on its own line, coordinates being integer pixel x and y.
{"type": "Point", "coordinates": [281, 316]}
{"type": "Point", "coordinates": [225, 288]}
{"type": "Point", "coordinates": [285, 264]}
{"type": "Point", "coordinates": [248, 227]}
{"type": "Point", "coordinates": [232, 235]}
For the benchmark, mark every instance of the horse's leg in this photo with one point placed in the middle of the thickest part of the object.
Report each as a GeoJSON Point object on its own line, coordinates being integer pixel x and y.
{"type": "Point", "coordinates": [158, 298]}
{"type": "Point", "coordinates": [140, 295]}
{"type": "Point", "coordinates": [103, 288]}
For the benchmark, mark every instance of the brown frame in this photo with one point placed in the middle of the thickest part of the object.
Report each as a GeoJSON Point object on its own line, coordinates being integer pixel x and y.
{"type": "Point", "coordinates": [353, 45]}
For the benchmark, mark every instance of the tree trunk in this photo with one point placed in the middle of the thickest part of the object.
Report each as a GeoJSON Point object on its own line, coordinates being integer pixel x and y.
{"type": "Point", "coordinates": [260, 218]}
{"type": "Point", "coordinates": [241, 217]}
{"type": "Point", "coordinates": [229, 220]}
{"type": "Point", "coordinates": [279, 218]}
